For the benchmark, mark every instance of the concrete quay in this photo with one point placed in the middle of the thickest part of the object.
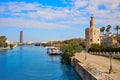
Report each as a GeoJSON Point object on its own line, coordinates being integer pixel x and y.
{"type": "Point", "coordinates": [95, 67]}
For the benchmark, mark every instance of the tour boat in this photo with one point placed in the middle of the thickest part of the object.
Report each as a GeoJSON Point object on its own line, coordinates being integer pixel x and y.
{"type": "Point", "coordinates": [53, 50]}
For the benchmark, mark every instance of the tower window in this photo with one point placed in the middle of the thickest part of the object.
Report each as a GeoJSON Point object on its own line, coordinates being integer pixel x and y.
{"type": "Point", "coordinates": [90, 39]}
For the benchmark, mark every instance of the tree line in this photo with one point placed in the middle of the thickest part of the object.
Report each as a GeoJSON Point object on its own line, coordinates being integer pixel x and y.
{"type": "Point", "coordinates": [107, 29]}
{"type": "Point", "coordinates": [102, 48]}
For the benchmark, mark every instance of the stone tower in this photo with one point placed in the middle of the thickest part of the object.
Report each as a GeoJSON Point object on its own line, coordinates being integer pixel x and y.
{"type": "Point", "coordinates": [92, 34]}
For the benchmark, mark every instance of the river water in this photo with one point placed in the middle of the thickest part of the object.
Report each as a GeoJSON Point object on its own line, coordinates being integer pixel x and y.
{"type": "Point", "coordinates": [33, 63]}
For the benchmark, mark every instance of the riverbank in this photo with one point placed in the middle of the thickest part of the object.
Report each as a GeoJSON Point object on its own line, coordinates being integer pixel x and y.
{"type": "Point", "coordinates": [95, 67]}
{"type": "Point", "coordinates": [2, 48]}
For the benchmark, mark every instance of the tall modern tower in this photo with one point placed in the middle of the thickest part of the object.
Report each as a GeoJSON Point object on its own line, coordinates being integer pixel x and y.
{"type": "Point", "coordinates": [21, 36]}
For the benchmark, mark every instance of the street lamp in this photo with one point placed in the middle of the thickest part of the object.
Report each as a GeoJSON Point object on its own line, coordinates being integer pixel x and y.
{"type": "Point", "coordinates": [110, 55]}
{"type": "Point", "coordinates": [85, 55]}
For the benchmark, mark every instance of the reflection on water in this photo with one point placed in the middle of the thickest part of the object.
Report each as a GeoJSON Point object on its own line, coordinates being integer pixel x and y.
{"type": "Point", "coordinates": [54, 57]}
{"type": "Point", "coordinates": [68, 73]}
{"type": "Point", "coordinates": [21, 49]}
{"type": "Point", "coordinates": [3, 52]}
{"type": "Point", "coordinates": [21, 53]}
{"type": "Point", "coordinates": [67, 70]}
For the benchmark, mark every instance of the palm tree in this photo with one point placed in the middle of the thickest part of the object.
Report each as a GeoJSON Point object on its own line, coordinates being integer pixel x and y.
{"type": "Point", "coordinates": [117, 28]}
{"type": "Point", "coordinates": [108, 28]}
{"type": "Point", "coordinates": [102, 30]}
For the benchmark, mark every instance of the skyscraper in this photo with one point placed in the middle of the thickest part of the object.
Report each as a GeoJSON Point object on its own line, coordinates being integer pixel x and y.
{"type": "Point", "coordinates": [21, 36]}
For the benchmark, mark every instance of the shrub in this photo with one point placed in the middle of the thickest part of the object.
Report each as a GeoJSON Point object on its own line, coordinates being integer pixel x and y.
{"type": "Point", "coordinates": [68, 50]}
{"type": "Point", "coordinates": [11, 46]}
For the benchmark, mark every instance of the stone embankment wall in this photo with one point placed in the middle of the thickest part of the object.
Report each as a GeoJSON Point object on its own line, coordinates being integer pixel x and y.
{"type": "Point", "coordinates": [2, 48]}
{"type": "Point", "coordinates": [82, 70]}
{"type": "Point", "coordinates": [115, 55]}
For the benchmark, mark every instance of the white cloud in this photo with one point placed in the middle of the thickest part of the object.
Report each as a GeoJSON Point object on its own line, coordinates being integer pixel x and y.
{"type": "Point", "coordinates": [111, 4]}
{"type": "Point", "coordinates": [17, 22]}
{"type": "Point", "coordinates": [81, 3]}
{"type": "Point", "coordinates": [78, 21]}
{"type": "Point", "coordinates": [2, 8]}
{"type": "Point", "coordinates": [62, 16]}
{"type": "Point", "coordinates": [33, 10]}
{"type": "Point", "coordinates": [19, 6]}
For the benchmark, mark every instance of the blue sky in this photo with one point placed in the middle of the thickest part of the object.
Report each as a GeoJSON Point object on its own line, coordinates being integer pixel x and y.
{"type": "Point", "coordinates": [46, 20]}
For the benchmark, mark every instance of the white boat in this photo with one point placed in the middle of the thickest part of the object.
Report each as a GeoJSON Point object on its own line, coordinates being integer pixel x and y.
{"type": "Point", "coordinates": [53, 50]}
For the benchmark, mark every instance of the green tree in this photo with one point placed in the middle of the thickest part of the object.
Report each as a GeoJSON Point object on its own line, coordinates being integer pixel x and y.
{"type": "Point", "coordinates": [102, 30]}
{"type": "Point", "coordinates": [82, 44]}
{"type": "Point", "coordinates": [68, 50]}
{"type": "Point", "coordinates": [108, 28]}
{"type": "Point", "coordinates": [117, 28]}
{"type": "Point", "coordinates": [75, 46]}
{"type": "Point", "coordinates": [66, 54]}
{"type": "Point", "coordinates": [97, 47]}
{"type": "Point", "coordinates": [11, 46]}
{"type": "Point", "coordinates": [3, 41]}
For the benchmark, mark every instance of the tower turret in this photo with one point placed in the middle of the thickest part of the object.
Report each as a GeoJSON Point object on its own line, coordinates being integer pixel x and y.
{"type": "Point", "coordinates": [92, 22]}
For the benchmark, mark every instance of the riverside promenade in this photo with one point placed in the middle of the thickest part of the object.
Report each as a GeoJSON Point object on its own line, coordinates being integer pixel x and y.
{"type": "Point", "coordinates": [99, 66]}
